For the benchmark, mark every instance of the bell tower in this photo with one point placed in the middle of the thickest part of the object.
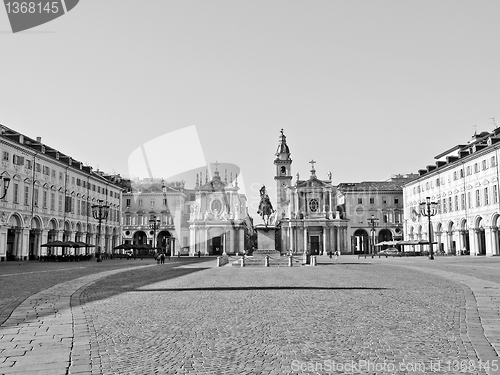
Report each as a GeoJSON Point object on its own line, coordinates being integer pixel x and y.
{"type": "Point", "coordinates": [283, 176]}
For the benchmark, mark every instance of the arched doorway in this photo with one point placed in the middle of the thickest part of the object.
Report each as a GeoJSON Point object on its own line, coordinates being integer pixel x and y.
{"type": "Point", "coordinates": [34, 239]}
{"type": "Point", "coordinates": [384, 235]}
{"type": "Point", "coordinates": [14, 239]}
{"type": "Point", "coordinates": [163, 242]}
{"type": "Point", "coordinates": [215, 241]}
{"type": "Point", "coordinates": [360, 242]}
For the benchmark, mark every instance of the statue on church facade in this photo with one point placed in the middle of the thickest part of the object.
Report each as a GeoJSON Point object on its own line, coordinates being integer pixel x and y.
{"type": "Point", "coordinates": [265, 206]}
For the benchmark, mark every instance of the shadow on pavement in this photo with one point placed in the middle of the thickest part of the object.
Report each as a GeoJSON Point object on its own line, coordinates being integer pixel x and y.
{"type": "Point", "coordinates": [223, 288]}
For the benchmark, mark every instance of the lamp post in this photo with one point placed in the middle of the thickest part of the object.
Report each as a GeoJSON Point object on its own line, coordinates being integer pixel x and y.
{"type": "Point", "coordinates": [154, 224]}
{"type": "Point", "coordinates": [6, 183]}
{"type": "Point", "coordinates": [429, 209]}
{"type": "Point", "coordinates": [373, 220]}
{"type": "Point", "coordinates": [100, 213]}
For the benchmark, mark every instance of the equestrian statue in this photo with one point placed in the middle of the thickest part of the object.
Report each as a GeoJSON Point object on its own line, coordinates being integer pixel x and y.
{"type": "Point", "coordinates": [266, 210]}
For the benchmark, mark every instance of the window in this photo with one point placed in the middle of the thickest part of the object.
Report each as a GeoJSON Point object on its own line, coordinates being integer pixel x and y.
{"type": "Point", "coordinates": [78, 182]}
{"type": "Point", "coordinates": [78, 204]}
{"type": "Point", "coordinates": [484, 165]}
{"type": "Point", "coordinates": [60, 176]}
{"type": "Point", "coordinates": [469, 199]}
{"type": "Point", "coordinates": [165, 202]}
{"type": "Point", "coordinates": [38, 167]}
{"type": "Point", "coordinates": [44, 199]}
{"type": "Point", "coordinates": [450, 204]}
{"type": "Point", "coordinates": [486, 197]}
{"type": "Point", "coordinates": [384, 200]}
{"type": "Point", "coordinates": [52, 201]}
{"type": "Point", "coordinates": [396, 200]}
{"type": "Point", "coordinates": [437, 181]}
{"type": "Point", "coordinates": [462, 173]}
{"type": "Point", "coordinates": [152, 203]}
{"type": "Point", "coordinates": [128, 202]}
{"type": "Point", "coordinates": [457, 207]}
{"type": "Point", "coordinates": [46, 170]}
{"type": "Point", "coordinates": [60, 203]}
{"type": "Point", "coordinates": [139, 202]}
{"type": "Point", "coordinates": [26, 195]}
{"type": "Point", "coordinates": [386, 219]}
{"type": "Point", "coordinates": [444, 205]}
{"type": "Point", "coordinates": [476, 167]}
{"type": "Point", "coordinates": [397, 217]}
{"type": "Point", "coordinates": [28, 164]}
{"type": "Point", "coordinates": [372, 200]}
{"type": "Point", "coordinates": [5, 156]}
{"type": "Point", "coordinates": [53, 173]}
{"type": "Point", "coordinates": [455, 176]}
{"type": "Point", "coordinates": [127, 220]}
{"type": "Point", "coordinates": [478, 198]}
{"type": "Point", "coordinates": [469, 171]}
{"type": "Point", "coordinates": [360, 200]}
{"type": "Point", "coordinates": [35, 200]}
{"type": "Point", "coordinates": [493, 161]}
{"type": "Point", "coordinates": [98, 189]}
{"type": "Point", "coordinates": [313, 205]}
{"type": "Point", "coordinates": [18, 160]}
{"type": "Point", "coordinates": [16, 193]}
{"type": "Point", "coordinates": [495, 193]}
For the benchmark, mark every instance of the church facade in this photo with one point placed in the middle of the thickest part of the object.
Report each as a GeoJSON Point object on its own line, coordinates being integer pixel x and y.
{"type": "Point", "coordinates": [209, 219]}
{"type": "Point", "coordinates": [306, 214]}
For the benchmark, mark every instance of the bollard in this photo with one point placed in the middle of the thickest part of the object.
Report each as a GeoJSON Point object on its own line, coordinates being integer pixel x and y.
{"type": "Point", "coordinates": [242, 261]}
{"type": "Point", "coordinates": [266, 261]}
{"type": "Point", "coordinates": [218, 261]}
{"type": "Point", "coordinates": [313, 260]}
{"type": "Point", "coordinates": [290, 261]}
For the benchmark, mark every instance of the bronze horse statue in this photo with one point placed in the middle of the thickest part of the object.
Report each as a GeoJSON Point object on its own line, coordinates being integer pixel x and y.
{"type": "Point", "coordinates": [265, 207]}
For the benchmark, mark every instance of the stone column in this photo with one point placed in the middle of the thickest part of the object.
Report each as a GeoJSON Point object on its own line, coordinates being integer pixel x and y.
{"type": "Point", "coordinates": [490, 242]}
{"type": "Point", "coordinates": [325, 247]}
{"type": "Point", "coordinates": [473, 241]}
{"type": "Point", "coordinates": [305, 239]}
{"type": "Point", "coordinates": [495, 248]}
{"type": "Point", "coordinates": [192, 240]}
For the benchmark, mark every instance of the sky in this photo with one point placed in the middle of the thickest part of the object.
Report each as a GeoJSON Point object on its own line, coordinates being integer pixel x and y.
{"type": "Point", "coordinates": [368, 89]}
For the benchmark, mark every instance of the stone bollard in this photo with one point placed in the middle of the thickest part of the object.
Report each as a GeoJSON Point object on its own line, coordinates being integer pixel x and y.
{"type": "Point", "coordinates": [266, 261]}
{"type": "Point", "coordinates": [313, 260]}
{"type": "Point", "coordinates": [218, 261]}
{"type": "Point", "coordinates": [290, 261]}
{"type": "Point", "coordinates": [242, 261]}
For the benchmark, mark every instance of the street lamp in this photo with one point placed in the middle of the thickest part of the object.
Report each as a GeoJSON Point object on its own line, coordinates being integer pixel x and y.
{"type": "Point", "coordinates": [6, 183]}
{"type": "Point", "coordinates": [373, 221]}
{"type": "Point", "coordinates": [154, 224]}
{"type": "Point", "coordinates": [429, 209]}
{"type": "Point", "coordinates": [100, 213]}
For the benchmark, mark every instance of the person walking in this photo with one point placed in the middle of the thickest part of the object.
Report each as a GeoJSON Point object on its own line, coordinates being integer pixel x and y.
{"type": "Point", "coordinates": [162, 258]}
{"type": "Point", "coordinates": [336, 254]}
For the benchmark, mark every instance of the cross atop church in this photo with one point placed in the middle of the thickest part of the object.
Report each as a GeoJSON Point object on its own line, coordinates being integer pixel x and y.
{"type": "Point", "coordinates": [312, 162]}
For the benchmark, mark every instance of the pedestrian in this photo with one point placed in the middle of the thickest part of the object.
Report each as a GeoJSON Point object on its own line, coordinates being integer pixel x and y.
{"type": "Point", "coordinates": [178, 254]}
{"type": "Point", "coordinates": [199, 253]}
{"type": "Point", "coordinates": [162, 258]}
{"type": "Point", "coordinates": [330, 253]}
{"type": "Point", "coordinates": [336, 254]}
{"type": "Point", "coordinates": [158, 258]}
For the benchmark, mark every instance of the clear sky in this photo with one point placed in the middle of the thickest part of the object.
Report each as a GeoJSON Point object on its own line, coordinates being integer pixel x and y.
{"type": "Point", "coordinates": [367, 89]}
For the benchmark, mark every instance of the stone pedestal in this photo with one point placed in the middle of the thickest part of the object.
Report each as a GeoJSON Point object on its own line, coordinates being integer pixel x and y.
{"type": "Point", "coordinates": [266, 237]}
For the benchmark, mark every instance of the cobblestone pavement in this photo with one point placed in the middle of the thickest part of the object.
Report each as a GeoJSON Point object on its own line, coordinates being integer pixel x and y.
{"type": "Point", "coordinates": [366, 316]}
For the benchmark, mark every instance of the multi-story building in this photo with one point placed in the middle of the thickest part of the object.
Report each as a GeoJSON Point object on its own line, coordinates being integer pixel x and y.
{"type": "Point", "coordinates": [50, 198]}
{"type": "Point", "coordinates": [374, 210]}
{"type": "Point", "coordinates": [463, 184]}
{"type": "Point", "coordinates": [209, 219]}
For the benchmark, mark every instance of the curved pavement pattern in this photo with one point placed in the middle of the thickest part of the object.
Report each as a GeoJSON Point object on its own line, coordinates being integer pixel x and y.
{"type": "Point", "coordinates": [352, 316]}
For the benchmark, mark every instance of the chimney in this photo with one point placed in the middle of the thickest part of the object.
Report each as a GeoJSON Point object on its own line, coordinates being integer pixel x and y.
{"type": "Point", "coordinates": [39, 139]}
